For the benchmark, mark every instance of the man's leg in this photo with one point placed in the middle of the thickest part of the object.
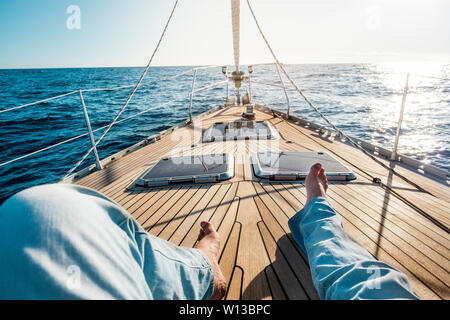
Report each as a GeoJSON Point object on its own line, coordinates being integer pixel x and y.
{"type": "Point", "coordinates": [340, 267]}
{"type": "Point", "coordinates": [71, 242]}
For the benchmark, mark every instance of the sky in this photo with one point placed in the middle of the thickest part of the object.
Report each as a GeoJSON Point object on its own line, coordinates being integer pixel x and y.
{"type": "Point", "coordinates": [44, 34]}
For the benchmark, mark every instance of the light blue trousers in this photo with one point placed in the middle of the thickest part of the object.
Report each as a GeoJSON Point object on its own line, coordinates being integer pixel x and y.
{"type": "Point", "coordinates": [341, 269]}
{"type": "Point", "coordinates": [70, 242]}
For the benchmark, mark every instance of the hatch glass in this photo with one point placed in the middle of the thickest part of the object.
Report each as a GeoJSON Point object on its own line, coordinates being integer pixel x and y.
{"type": "Point", "coordinates": [189, 169]}
{"type": "Point", "coordinates": [296, 165]}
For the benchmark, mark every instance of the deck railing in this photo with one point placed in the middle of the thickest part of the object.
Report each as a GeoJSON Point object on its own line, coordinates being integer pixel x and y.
{"type": "Point", "coordinates": [90, 132]}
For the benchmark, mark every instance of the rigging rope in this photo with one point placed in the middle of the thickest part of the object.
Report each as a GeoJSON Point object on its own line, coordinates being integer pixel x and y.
{"type": "Point", "coordinates": [235, 14]}
{"type": "Point", "coordinates": [85, 134]}
{"type": "Point", "coordinates": [354, 144]}
{"type": "Point", "coordinates": [40, 101]}
{"type": "Point", "coordinates": [162, 105]}
{"type": "Point", "coordinates": [131, 95]}
{"type": "Point", "coordinates": [107, 89]}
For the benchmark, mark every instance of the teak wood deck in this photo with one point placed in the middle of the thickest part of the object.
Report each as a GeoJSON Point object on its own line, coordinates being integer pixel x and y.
{"type": "Point", "coordinates": [395, 222]}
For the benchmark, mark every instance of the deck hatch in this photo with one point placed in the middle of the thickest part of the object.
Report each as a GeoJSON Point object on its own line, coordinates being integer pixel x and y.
{"type": "Point", "coordinates": [239, 130]}
{"type": "Point", "coordinates": [189, 169]}
{"type": "Point", "coordinates": [296, 165]}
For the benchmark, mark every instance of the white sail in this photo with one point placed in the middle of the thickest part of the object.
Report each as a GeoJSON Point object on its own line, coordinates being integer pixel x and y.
{"type": "Point", "coordinates": [235, 12]}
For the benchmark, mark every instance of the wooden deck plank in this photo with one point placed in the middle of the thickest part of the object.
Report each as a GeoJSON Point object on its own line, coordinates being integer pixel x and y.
{"type": "Point", "coordinates": [239, 161]}
{"type": "Point", "coordinates": [234, 291]}
{"type": "Point", "coordinates": [227, 259]}
{"type": "Point", "coordinates": [369, 197]}
{"type": "Point", "coordinates": [246, 163]}
{"type": "Point", "coordinates": [129, 196]}
{"type": "Point", "coordinates": [346, 152]}
{"type": "Point", "coordinates": [142, 198]}
{"type": "Point", "coordinates": [119, 185]}
{"type": "Point", "coordinates": [280, 215]}
{"type": "Point", "coordinates": [135, 159]}
{"type": "Point", "coordinates": [212, 214]}
{"type": "Point", "coordinates": [225, 227]}
{"type": "Point", "coordinates": [192, 221]}
{"type": "Point", "coordinates": [397, 223]}
{"type": "Point", "coordinates": [148, 209]}
{"type": "Point", "coordinates": [120, 195]}
{"type": "Point", "coordinates": [163, 215]}
{"type": "Point", "coordinates": [294, 202]}
{"type": "Point", "coordinates": [288, 252]}
{"type": "Point", "coordinates": [292, 287]}
{"type": "Point", "coordinates": [250, 259]}
{"type": "Point", "coordinates": [170, 220]}
{"type": "Point", "coordinates": [427, 181]}
{"type": "Point", "coordinates": [375, 196]}
{"type": "Point", "coordinates": [274, 284]}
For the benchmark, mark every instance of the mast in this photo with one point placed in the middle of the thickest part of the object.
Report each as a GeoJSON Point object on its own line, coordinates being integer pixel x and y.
{"type": "Point", "coordinates": [237, 76]}
{"type": "Point", "coordinates": [235, 15]}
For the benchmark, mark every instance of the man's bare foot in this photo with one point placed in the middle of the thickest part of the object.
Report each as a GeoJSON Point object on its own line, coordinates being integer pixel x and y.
{"type": "Point", "coordinates": [316, 182]}
{"type": "Point", "coordinates": [209, 244]}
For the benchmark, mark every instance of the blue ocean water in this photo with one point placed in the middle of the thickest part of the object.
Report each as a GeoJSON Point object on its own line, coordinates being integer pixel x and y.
{"type": "Point", "coordinates": [363, 100]}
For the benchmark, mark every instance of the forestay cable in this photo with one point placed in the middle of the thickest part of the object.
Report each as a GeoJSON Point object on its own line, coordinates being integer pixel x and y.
{"type": "Point", "coordinates": [131, 95]}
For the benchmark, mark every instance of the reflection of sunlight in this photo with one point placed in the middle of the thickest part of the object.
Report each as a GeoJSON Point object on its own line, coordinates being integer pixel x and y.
{"type": "Point", "coordinates": [423, 68]}
{"type": "Point", "coordinates": [393, 75]}
{"type": "Point", "coordinates": [424, 105]}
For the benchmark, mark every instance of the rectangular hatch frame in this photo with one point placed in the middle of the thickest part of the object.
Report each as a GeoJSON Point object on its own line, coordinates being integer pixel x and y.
{"type": "Point", "coordinates": [296, 165]}
{"type": "Point", "coordinates": [239, 130]}
{"type": "Point", "coordinates": [208, 168]}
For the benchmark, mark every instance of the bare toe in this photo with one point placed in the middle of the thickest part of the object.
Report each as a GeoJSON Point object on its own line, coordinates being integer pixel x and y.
{"type": "Point", "coordinates": [323, 179]}
{"type": "Point", "coordinates": [315, 169]}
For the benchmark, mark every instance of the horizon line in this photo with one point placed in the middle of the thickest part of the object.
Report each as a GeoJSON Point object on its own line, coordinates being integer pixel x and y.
{"type": "Point", "coordinates": [200, 65]}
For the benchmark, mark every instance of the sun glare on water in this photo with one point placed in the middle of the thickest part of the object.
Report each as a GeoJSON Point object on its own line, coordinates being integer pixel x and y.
{"type": "Point", "coordinates": [427, 101]}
